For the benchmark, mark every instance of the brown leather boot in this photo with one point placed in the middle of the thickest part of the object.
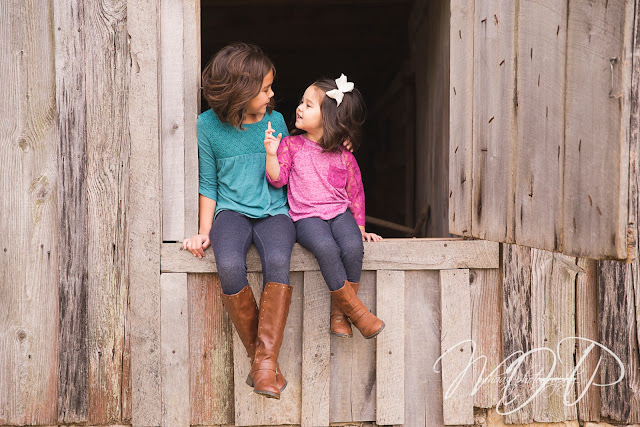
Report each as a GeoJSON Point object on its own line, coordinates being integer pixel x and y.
{"type": "Point", "coordinates": [340, 325]}
{"type": "Point", "coordinates": [274, 309]}
{"type": "Point", "coordinates": [243, 312]}
{"type": "Point", "coordinates": [346, 298]}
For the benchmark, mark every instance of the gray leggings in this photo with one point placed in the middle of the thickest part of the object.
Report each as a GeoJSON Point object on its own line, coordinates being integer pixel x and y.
{"type": "Point", "coordinates": [337, 245]}
{"type": "Point", "coordinates": [231, 236]}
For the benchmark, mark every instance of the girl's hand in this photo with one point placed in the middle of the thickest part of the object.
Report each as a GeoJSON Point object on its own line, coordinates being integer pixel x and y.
{"type": "Point", "coordinates": [347, 144]}
{"type": "Point", "coordinates": [197, 244]}
{"type": "Point", "coordinates": [370, 237]}
{"type": "Point", "coordinates": [271, 143]}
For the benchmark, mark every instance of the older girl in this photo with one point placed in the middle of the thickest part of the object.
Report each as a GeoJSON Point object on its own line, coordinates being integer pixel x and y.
{"type": "Point", "coordinates": [238, 207]}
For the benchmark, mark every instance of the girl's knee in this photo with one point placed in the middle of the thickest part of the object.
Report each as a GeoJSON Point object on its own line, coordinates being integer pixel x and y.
{"type": "Point", "coordinates": [230, 267]}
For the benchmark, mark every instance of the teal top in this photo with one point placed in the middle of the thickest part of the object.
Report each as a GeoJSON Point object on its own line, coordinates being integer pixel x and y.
{"type": "Point", "coordinates": [232, 166]}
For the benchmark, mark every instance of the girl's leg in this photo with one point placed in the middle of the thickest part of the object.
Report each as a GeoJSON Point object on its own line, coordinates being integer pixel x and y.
{"type": "Point", "coordinates": [348, 237]}
{"type": "Point", "coordinates": [315, 235]}
{"type": "Point", "coordinates": [274, 237]}
{"type": "Point", "coordinates": [231, 236]}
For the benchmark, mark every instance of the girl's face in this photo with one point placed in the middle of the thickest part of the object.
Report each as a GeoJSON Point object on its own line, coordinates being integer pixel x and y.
{"type": "Point", "coordinates": [257, 106]}
{"type": "Point", "coordinates": [308, 114]}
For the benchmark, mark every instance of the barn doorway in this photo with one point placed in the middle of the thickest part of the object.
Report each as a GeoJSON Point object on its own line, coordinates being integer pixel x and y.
{"type": "Point", "coordinates": [396, 51]}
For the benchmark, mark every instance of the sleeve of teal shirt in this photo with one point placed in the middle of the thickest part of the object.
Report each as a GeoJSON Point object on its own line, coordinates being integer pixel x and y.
{"type": "Point", "coordinates": [208, 172]}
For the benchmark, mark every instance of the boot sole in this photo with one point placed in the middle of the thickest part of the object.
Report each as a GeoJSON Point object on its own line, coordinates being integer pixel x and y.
{"type": "Point", "coordinates": [374, 335]}
{"type": "Point", "coordinates": [268, 394]}
{"type": "Point", "coordinates": [249, 382]}
{"type": "Point", "coordinates": [341, 335]}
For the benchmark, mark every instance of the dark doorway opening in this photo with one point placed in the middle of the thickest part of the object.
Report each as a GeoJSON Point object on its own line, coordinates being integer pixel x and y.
{"type": "Point", "coordinates": [369, 41]}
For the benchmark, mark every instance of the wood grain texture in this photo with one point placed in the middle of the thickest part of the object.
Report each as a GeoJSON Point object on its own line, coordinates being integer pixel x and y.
{"type": "Point", "coordinates": [494, 134]}
{"type": "Point", "coordinates": [517, 330]}
{"type": "Point", "coordinates": [396, 254]}
{"type": "Point", "coordinates": [587, 327]}
{"type": "Point", "coordinates": [192, 69]}
{"type": "Point", "coordinates": [423, 385]}
{"type": "Point", "coordinates": [353, 366]}
{"type": "Point", "coordinates": [461, 116]}
{"type": "Point", "coordinates": [29, 278]}
{"type": "Point", "coordinates": [553, 320]}
{"type": "Point", "coordinates": [107, 181]}
{"type": "Point", "coordinates": [316, 349]}
{"type": "Point", "coordinates": [390, 398]}
{"type": "Point", "coordinates": [173, 120]}
{"type": "Point", "coordinates": [486, 333]}
{"type": "Point", "coordinates": [73, 396]}
{"type": "Point", "coordinates": [541, 52]}
{"type": "Point", "coordinates": [144, 218]}
{"type": "Point", "coordinates": [455, 346]}
{"type": "Point", "coordinates": [618, 332]}
{"type": "Point", "coordinates": [211, 353]}
{"type": "Point", "coordinates": [174, 345]}
{"type": "Point", "coordinates": [596, 174]}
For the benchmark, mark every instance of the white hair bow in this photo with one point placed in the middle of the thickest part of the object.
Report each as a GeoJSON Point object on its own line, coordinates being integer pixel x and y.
{"type": "Point", "coordinates": [343, 86]}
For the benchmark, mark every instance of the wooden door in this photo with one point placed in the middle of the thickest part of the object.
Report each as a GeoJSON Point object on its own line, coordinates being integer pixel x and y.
{"type": "Point", "coordinates": [541, 146]}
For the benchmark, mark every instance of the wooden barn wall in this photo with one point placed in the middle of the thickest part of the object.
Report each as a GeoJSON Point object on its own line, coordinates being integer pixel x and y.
{"type": "Point", "coordinates": [66, 193]}
{"type": "Point", "coordinates": [544, 160]}
{"type": "Point", "coordinates": [429, 35]}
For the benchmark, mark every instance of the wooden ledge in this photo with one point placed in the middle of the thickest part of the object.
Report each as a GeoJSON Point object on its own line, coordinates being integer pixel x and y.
{"type": "Point", "coordinates": [389, 254]}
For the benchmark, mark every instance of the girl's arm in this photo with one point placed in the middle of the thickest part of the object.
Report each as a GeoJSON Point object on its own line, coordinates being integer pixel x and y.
{"type": "Point", "coordinates": [208, 189]}
{"type": "Point", "coordinates": [355, 192]}
{"type": "Point", "coordinates": [199, 242]}
{"type": "Point", "coordinates": [279, 157]}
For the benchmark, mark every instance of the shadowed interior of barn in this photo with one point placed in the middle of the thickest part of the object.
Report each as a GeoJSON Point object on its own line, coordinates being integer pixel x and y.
{"type": "Point", "coordinates": [372, 42]}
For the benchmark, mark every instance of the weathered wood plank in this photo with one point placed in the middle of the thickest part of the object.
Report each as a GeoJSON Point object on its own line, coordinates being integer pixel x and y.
{"type": "Point", "coordinates": [390, 399]}
{"type": "Point", "coordinates": [587, 327]}
{"type": "Point", "coordinates": [29, 280]}
{"type": "Point", "coordinates": [352, 391]}
{"type": "Point", "coordinates": [398, 254]}
{"type": "Point", "coordinates": [315, 352]}
{"type": "Point", "coordinates": [144, 218]}
{"type": "Point", "coordinates": [455, 346]}
{"type": "Point", "coordinates": [248, 405]}
{"type": "Point", "coordinates": [596, 173]}
{"type": "Point", "coordinates": [634, 148]}
{"type": "Point", "coordinates": [552, 320]}
{"type": "Point", "coordinates": [73, 395]}
{"type": "Point", "coordinates": [486, 333]}
{"type": "Point", "coordinates": [108, 157]}
{"type": "Point", "coordinates": [211, 355]}
{"type": "Point", "coordinates": [494, 106]}
{"type": "Point", "coordinates": [174, 345]}
{"type": "Point", "coordinates": [173, 120]}
{"type": "Point", "coordinates": [620, 402]}
{"type": "Point", "coordinates": [461, 116]}
{"type": "Point", "coordinates": [191, 58]}
{"type": "Point", "coordinates": [517, 330]}
{"type": "Point", "coordinates": [422, 384]}
{"type": "Point", "coordinates": [542, 33]}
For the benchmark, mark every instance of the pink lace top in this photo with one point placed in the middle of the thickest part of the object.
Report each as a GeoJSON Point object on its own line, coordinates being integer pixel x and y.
{"type": "Point", "coordinates": [319, 184]}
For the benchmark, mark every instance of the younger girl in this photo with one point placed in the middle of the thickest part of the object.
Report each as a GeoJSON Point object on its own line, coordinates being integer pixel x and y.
{"type": "Point", "coordinates": [326, 197]}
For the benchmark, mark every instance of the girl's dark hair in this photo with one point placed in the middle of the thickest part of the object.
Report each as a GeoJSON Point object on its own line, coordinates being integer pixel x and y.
{"type": "Point", "coordinates": [232, 77]}
{"type": "Point", "coordinates": [339, 122]}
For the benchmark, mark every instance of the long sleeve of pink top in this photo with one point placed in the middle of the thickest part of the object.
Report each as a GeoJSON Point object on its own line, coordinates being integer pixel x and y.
{"type": "Point", "coordinates": [319, 184]}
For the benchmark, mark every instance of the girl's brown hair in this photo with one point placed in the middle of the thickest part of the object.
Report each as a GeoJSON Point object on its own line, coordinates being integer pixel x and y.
{"type": "Point", "coordinates": [232, 78]}
{"type": "Point", "coordinates": [339, 122]}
